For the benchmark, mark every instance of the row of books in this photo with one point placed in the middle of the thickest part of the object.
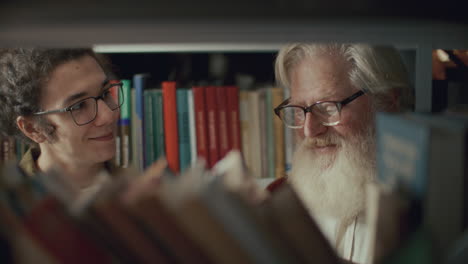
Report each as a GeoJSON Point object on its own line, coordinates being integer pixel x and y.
{"type": "Point", "coordinates": [11, 149]}
{"type": "Point", "coordinates": [185, 124]}
{"type": "Point", "coordinates": [199, 216]}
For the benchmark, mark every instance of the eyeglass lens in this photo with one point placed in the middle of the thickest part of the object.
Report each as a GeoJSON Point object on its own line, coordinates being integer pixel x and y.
{"type": "Point", "coordinates": [85, 111]}
{"type": "Point", "coordinates": [327, 112]}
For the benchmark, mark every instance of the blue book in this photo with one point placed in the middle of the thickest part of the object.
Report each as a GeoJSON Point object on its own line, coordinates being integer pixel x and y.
{"type": "Point", "coordinates": [426, 154]}
{"type": "Point", "coordinates": [184, 129]}
{"type": "Point", "coordinates": [402, 152]}
{"type": "Point", "coordinates": [139, 82]}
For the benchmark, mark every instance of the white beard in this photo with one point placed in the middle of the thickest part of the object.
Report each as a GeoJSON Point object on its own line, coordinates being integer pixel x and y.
{"type": "Point", "coordinates": [334, 184]}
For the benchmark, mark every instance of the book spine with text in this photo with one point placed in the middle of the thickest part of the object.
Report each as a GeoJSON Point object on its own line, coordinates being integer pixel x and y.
{"type": "Point", "coordinates": [199, 104]}
{"type": "Point", "coordinates": [222, 124]}
{"type": "Point", "coordinates": [158, 123]}
{"type": "Point", "coordinates": [170, 125]}
{"type": "Point", "coordinates": [255, 143]}
{"type": "Point", "coordinates": [278, 133]}
{"type": "Point", "coordinates": [139, 81]}
{"type": "Point", "coordinates": [192, 127]}
{"type": "Point", "coordinates": [124, 124]}
{"type": "Point", "coordinates": [184, 130]}
{"type": "Point", "coordinates": [148, 129]}
{"type": "Point", "coordinates": [212, 121]}
{"type": "Point", "coordinates": [232, 94]}
{"type": "Point", "coordinates": [245, 126]}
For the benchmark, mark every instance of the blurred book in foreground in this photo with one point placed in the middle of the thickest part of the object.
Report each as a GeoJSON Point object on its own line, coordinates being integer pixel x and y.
{"type": "Point", "coordinates": [200, 216]}
{"type": "Point", "coordinates": [423, 157]}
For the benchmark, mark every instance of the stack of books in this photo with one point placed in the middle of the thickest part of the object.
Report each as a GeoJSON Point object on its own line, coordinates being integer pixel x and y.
{"type": "Point", "coordinates": [200, 121]}
{"type": "Point", "coordinates": [216, 215]}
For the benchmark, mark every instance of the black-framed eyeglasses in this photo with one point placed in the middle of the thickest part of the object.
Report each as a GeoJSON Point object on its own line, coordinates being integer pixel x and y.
{"type": "Point", "coordinates": [328, 112]}
{"type": "Point", "coordinates": [85, 111]}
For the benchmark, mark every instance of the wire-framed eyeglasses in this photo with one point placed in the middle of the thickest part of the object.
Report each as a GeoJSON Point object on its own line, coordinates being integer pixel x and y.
{"type": "Point", "coordinates": [85, 111]}
{"type": "Point", "coordinates": [328, 112]}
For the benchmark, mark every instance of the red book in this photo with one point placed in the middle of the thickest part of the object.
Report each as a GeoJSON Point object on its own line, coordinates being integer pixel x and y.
{"type": "Point", "coordinates": [128, 232]}
{"type": "Point", "coordinates": [161, 224]}
{"type": "Point", "coordinates": [222, 124]}
{"type": "Point", "coordinates": [212, 119]}
{"type": "Point", "coordinates": [115, 93]}
{"type": "Point", "coordinates": [232, 95]}
{"type": "Point", "coordinates": [199, 105]}
{"type": "Point", "coordinates": [170, 125]}
{"type": "Point", "coordinates": [60, 236]}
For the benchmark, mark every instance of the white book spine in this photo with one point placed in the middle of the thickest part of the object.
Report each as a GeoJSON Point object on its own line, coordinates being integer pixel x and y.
{"type": "Point", "coordinates": [192, 127]}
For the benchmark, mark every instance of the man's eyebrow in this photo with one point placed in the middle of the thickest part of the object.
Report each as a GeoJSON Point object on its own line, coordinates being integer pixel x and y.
{"type": "Point", "coordinates": [301, 101]}
{"type": "Point", "coordinates": [105, 82]}
{"type": "Point", "coordinates": [73, 97]}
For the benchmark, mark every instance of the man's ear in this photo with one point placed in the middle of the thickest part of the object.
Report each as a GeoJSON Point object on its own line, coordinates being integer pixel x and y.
{"type": "Point", "coordinates": [30, 129]}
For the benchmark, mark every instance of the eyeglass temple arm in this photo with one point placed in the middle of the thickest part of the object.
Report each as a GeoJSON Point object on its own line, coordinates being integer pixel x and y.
{"type": "Point", "coordinates": [285, 102]}
{"type": "Point", "coordinates": [351, 98]}
{"type": "Point", "coordinates": [52, 111]}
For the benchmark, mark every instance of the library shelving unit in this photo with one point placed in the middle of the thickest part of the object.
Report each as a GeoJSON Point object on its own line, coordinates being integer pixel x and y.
{"type": "Point", "coordinates": [123, 26]}
{"type": "Point", "coordinates": [181, 26]}
{"type": "Point", "coordinates": [142, 26]}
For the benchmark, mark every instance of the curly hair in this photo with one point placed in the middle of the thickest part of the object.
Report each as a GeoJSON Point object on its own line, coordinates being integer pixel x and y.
{"type": "Point", "coordinates": [23, 74]}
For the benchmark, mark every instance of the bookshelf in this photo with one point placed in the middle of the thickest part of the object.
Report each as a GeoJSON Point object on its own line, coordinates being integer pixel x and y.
{"type": "Point", "coordinates": [144, 31]}
{"type": "Point", "coordinates": [139, 32]}
{"type": "Point", "coordinates": [136, 34]}
{"type": "Point", "coordinates": [240, 26]}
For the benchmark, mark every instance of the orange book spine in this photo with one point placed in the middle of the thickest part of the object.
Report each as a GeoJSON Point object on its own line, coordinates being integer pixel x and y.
{"type": "Point", "coordinates": [170, 125]}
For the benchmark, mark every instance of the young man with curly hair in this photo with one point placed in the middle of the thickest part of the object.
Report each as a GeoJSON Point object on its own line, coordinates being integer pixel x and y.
{"type": "Point", "coordinates": [64, 104]}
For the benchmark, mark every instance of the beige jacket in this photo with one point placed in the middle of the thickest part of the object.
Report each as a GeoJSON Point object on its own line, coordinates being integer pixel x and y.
{"type": "Point", "coordinates": [29, 165]}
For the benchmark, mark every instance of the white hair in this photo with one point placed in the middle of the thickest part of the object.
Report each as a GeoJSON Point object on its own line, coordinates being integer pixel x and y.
{"type": "Point", "coordinates": [377, 70]}
{"type": "Point", "coordinates": [335, 184]}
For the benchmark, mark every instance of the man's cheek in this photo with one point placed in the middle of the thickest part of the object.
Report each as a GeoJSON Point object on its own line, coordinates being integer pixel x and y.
{"type": "Point", "coordinates": [298, 135]}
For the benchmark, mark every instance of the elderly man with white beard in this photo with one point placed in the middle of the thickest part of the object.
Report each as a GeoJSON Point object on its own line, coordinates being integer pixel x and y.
{"type": "Point", "coordinates": [335, 91]}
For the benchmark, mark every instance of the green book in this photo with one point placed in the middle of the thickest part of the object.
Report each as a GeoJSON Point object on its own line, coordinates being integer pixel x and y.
{"type": "Point", "coordinates": [184, 130]}
{"type": "Point", "coordinates": [148, 128]}
{"type": "Point", "coordinates": [158, 123]}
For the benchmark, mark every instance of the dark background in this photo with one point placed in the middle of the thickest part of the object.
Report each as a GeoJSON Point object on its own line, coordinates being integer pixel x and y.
{"type": "Point", "coordinates": [150, 10]}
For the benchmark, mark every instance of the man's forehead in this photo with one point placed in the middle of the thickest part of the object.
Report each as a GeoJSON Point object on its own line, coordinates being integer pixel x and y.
{"type": "Point", "coordinates": [323, 78]}
{"type": "Point", "coordinates": [82, 75]}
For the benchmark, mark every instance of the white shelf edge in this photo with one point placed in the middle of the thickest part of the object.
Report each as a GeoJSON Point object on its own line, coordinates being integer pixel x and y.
{"type": "Point", "coordinates": [186, 47]}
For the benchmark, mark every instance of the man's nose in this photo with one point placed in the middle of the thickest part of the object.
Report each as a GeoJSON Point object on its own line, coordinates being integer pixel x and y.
{"type": "Point", "coordinates": [104, 114]}
{"type": "Point", "coordinates": [313, 127]}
